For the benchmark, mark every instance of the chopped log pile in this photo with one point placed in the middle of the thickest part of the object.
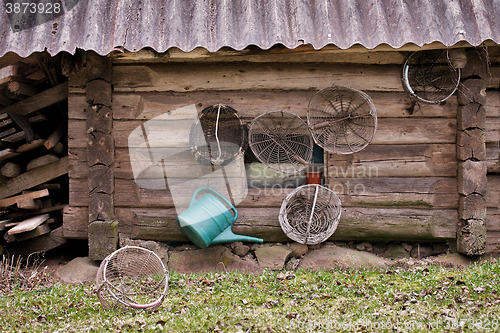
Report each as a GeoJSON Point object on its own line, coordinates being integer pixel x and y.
{"type": "Point", "coordinates": [33, 155]}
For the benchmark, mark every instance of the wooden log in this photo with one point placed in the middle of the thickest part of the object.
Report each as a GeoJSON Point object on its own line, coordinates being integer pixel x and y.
{"type": "Point", "coordinates": [492, 103]}
{"type": "Point", "coordinates": [100, 149]}
{"type": "Point", "coordinates": [100, 207]}
{"type": "Point", "coordinates": [33, 145]}
{"type": "Point", "coordinates": [40, 244]}
{"type": "Point", "coordinates": [493, 191]}
{"type": "Point", "coordinates": [493, 242]}
{"type": "Point", "coordinates": [30, 195]}
{"type": "Point", "coordinates": [20, 88]}
{"type": "Point", "coordinates": [472, 178]}
{"type": "Point", "coordinates": [99, 92]}
{"type": "Point", "coordinates": [472, 206]}
{"type": "Point", "coordinates": [471, 145]}
{"type": "Point", "coordinates": [471, 237]}
{"type": "Point", "coordinates": [242, 76]}
{"type": "Point", "coordinates": [458, 58]}
{"type": "Point", "coordinates": [421, 192]}
{"type": "Point", "coordinates": [472, 91]}
{"type": "Point", "coordinates": [99, 119]}
{"type": "Point", "coordinates": [77, 163]}
{"type": "Point", "coordinates": [100, 180]}
{"type": "Point", "coordinates": [7, 154]}
{"type": "Point", "coordinates": [103, 239]}
{"type": "Point", "coordinates": [250, 104]}
{"type": "Point", "coordinates": [395, 161]}
{"type": "Point", "coordinates": [355, 223]}
{"type": "Point", "coordinates": [10, 170]}
{"type": "Point", "coordinates": [492, 159]}
{"type": "Point", "coordinates": [75, 222]}
{"type": "Point", "coordinates": [492, 130]}
{"type": "Point", "coordinates": [57, 135]}
{"type": "Point", "coordinates": [34, 177]}
{"type": "Point", "coordinates": [186, 77]}
{"type": "Point", "coordinates": [29, 224]}
{"type": "Point", "coordinates": [493, 219]}
{"type": "Point", "coordinates": [472, 115]}
{"type": "Point", "coordinates": [98, 67]}
{"type": "Point", "coordinates": [39, 101]}
{"type": "Point", "coordinates": [477, 65]}
{"type": "Point", "coordinates": [41, 161]}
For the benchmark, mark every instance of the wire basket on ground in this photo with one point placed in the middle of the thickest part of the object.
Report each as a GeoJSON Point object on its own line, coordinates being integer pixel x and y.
{"type": "Point", "coordinates": [429, 76]}
{"type": "Point", "coordinates": [282, 141]}
{"type": "Point", "coordinates": [221, 138]}
{"type": "Point", "coordinates": [310, 214]}
{"type": "Point", "coordinates": [343, 120]}
{"type": "Point", "coordinates": [132, 277]}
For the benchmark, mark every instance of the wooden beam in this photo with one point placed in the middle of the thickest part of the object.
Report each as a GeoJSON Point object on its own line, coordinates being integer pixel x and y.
{"type": "Point", "coordinates": [38, 244]}
{"type": "Point", "coordinates": [39, 101]}
{"type": "Point", "coordinates": [34, 177]}
{"type": "Point", "coordinates": [29, 224]}
{"type": "Point", "coordinates": [257, 54]}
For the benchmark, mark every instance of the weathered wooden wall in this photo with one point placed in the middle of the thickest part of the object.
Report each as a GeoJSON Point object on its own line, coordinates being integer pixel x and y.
{"type": "Point", "coordinates": [403, 186]}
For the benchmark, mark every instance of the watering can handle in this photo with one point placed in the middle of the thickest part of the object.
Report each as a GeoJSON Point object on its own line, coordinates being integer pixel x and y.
{"type": "Point", "coordinates": [220, 196]}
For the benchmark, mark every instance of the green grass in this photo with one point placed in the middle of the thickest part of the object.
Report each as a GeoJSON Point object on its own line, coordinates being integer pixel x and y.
{"type": "Point", "coordinates": [419, 298]}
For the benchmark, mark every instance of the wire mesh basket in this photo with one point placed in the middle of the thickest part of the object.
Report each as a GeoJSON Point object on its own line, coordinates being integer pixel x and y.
{"type": "Point", "coordinates": [428, 76]}
{"type": "Point", "coordinates": [310, 214]}
{"type": "Point", "coordinates": [282, 141]}
{"type": "Point", "coordinates": [343, 120]}
{"type": "Point", "coordinates": [132, 277]}
{"type": "Point", "coordinates": [221, 138]}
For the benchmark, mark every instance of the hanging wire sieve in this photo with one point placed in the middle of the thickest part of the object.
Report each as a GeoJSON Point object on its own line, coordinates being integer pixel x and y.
{"type": "Point", "coordinates": [222, 138]}
{"type": "Point", "coordinates": [132, 277]}
{"type": "Point", "coordinates": [282, 141]}
{"type": "Point", "coordinates": [310, 214]}
{"type": "Point", "coordinates": [343, 120]}
{"type": "Point", "coordinates": [429, 77]}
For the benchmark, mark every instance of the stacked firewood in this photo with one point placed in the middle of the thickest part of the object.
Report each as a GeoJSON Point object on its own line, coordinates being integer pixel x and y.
{"type": "Point", "coordinates": [33, 155]}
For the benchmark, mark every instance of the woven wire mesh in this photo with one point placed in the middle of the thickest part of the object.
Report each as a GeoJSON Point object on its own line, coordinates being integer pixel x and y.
{"type": "Point", "coordinates": [282, 141]}
{"type": "Point", "coordinates": [310, 214]}
{"type": "Point", "coordinates": [132, 277]}
{"type": "Point", "coordinates": [343, 120]}
{"type": "Point", "coordinates": [222, 139]}
{"type": "Point", "coordinates": [429, 76]}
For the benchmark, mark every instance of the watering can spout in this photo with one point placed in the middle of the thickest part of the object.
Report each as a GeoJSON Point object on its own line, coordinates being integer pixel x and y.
{"type": "Point", "coordinates": [227, 236]}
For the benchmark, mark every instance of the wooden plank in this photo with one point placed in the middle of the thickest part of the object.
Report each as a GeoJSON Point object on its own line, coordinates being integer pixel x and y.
{"type": "Point", "coordinates": [34, 177]}
{"type": "Point", "coordinates": [16, 137]}
{"type": "Point", "coordinates": [29, 224]}
{"type": "Point", "coordinates": [395, 161]}
{"type": "Point", "coordinates": [492, 103]}
{"type": "Point", "coordinates": [250, 104]}
{"type": "Point", "coordinates": [493, 219]}
{"type": "Point", "coordinates": [421, 192]}
{"type": "Point", "coordinates": [355, 223]}
{"type": "Point", "coordinates": [40, 244]}
{"type": "Point", "coordinates": [31, 195]}
{"type": "Point", "coordinates": [26, 203]}
{"type": "Point", "coordinates": [38, 231]}
{"type": "Point", "coordinates": [77, 163]}
{"type": "Point", "coordinates": [39, 101]}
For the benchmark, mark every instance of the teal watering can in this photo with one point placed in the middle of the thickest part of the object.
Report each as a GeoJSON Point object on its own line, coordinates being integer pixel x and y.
{"type": "Point", "coordinates": [208, 221]}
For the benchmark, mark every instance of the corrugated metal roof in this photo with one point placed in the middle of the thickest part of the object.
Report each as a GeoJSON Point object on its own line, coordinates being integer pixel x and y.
{"type": "Point", "coordinates": [102, 25]}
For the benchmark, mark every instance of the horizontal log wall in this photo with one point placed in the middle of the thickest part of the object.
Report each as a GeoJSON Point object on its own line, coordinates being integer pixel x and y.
{"type": "Point", "coordinates": [408, 172]}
